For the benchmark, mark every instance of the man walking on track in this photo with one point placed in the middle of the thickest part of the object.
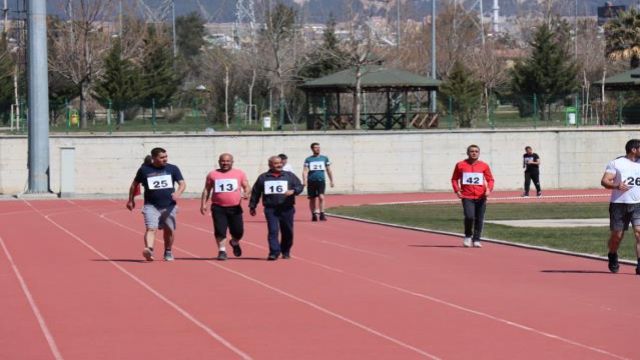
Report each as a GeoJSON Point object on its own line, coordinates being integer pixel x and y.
{"type": "Point", "coordinates": [472, 182]}
{"type": "Point", "coordinates": [278, 190]}
{"type": "Point", "coordinates": [622, 176]}
{"type": "Point", "coordinates": [531, 165]}
{"type": "Point", "coordinates": [314, 178]}
{"type": "Point", "coordinates": [227, 187]}
{"type": "Point", "coordinates": [160, 196]}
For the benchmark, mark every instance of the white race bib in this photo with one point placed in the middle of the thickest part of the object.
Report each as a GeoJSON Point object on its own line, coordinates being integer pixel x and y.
{"type": "Point", "coordinates": [159, 182]}
{"type": "Point", "coordinates": [275, 187]}
{"type": "Point", "coordinates": [472, 178]}
{"type": "Point", "coordinates": [630, 178]}
{"type": "Point", "coordinates": [316, 165]}
{"type": "Point", "coordinates": [225, 185]}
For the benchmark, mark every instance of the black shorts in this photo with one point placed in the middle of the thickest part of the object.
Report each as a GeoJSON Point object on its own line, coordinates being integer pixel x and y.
{"type": "Point", "coordinates": [227, 218]}
{"type": "Point", "coordinates": [315, 188]}
{"type": "Point", "coordinates": [620, 215]}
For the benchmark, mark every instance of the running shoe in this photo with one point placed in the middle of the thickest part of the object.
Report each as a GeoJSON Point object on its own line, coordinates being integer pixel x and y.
{"type": "Point", "coordinates": [322, 217]}
{"type": "Point", "coordinates": [273, 257]}
{"type": "Point", "coordinates": [314, 217]}
{"type": "Point", "coordinates": [237, 250]}
{"type": "Point", "coordinates": [613, 263]}
{"type": "Point", "coordinates": [168, 255]}
{"type": "Point", "coordinates": [525, 195]}
{"type": "Point", "coordinates": [638, 270]}
{"type": "Point", "coordinates": [477, 244]}
{"type": "Point", "coordinates": [466, 242]}
{"type": "Point", "coordinates": [148, 254]}
{"type": "Point", "coordinates": [539, 194]}
{"type": "Point", "coordinates": [222, 255]}
{"type": "Point", "coordinates": [286, 255]}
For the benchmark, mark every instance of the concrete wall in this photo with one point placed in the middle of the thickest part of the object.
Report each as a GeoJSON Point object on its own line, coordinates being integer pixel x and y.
{"type": "Point", "coordinates": [362, 161]}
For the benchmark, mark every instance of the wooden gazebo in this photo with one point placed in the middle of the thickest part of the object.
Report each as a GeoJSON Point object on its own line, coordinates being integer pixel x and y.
{"type": "Point", "coordinates": [390, 98]}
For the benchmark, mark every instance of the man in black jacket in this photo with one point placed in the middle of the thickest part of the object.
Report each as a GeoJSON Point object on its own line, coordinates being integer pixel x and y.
{"type": "Point", "coordinates": [278, 190]}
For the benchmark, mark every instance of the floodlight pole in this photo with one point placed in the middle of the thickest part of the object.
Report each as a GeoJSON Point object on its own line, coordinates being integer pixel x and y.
{"type": "Point", "coordinates": [38, 102]}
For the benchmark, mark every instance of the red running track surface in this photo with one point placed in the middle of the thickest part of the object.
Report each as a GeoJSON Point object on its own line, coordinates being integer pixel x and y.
{"type": "Point", "coordinates": [74, 287]}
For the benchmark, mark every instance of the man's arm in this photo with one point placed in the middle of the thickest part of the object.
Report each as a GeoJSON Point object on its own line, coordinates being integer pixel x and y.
{"type": "Point", "coordinates": [246, 189]}
{"type": "Point", "coordinates": [181, 188]}
{"type": "Point", "coordinates": [330, 175]}
{"type": "Point", "coordinates": [131, 204]}
{"type": "Point", "coordinates": [455, 181]}
{"type": "Point", "coordinates": [305, 174]}
{"type": "Point", "coordinates": [204, 198]}
{"type": "Point", "coordinates": [609, 182]}
{"type": "Point", "coordinates": [256, 192]}
{"type": "Point", "coordinates": [490, 180]}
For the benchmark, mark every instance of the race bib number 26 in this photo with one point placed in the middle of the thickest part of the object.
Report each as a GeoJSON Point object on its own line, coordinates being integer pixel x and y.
{"type": "Point", "coordinates": [275, 187]}
{"type": "Point", "coordinates": [472, 178]}
{"type": "Point", "coordinates": [159, 182]}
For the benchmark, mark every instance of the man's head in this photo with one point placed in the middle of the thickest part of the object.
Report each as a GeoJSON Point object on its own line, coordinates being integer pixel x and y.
{"type": "Point", "coordinates": [275, 163]}
{"type": "Point", "coordinates": [284, 158]}
{"type": "Point", "coordinates": [225, 161]}
{"type": "Point", "coordinates": [528, 150]}
{"type": "Point", "coordinates": [315, 148]}
{"type": "Point", "coordinates": [159, 156]}
{"type": "Point", "coordinates": [473, 152]}
{"type": "Point", "coordinates": [633, 146]}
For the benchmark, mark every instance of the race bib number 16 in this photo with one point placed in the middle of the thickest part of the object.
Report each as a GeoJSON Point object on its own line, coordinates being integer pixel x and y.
{"type": "Point", "coordinates": [159, 182]}
{"type": "Point", "coordinates": [275, 187]}
{"type": "Point", "coordinates": [472, 178]}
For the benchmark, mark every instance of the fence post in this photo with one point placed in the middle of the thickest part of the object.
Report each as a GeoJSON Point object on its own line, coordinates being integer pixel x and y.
{"type": "Point", "coordinates": [535, 111]}
{"type": "Point", "coordinates": [68, 114]}
{"type": "Point", "coordinates": [619, 105]}
{"type": "Point", "coordinates": [492, 105]}
{"type": "Point", "coordinates": [324, 113]}
{"type": "Point", "coordinates": [153, 115]}
{"type": "Point", "coordinates": [450, 113]}
{"type": "Point", "coordinates": [109, 121]}
{"type": "Point", "coordinates": [281, 115]}
{"type": "Point", "coordinates": [578, 119]}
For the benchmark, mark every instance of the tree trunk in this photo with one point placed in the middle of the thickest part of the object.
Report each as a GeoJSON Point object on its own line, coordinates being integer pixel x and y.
{"type": "Point", "coordinates": [356, 99]}
{"type": "Point", "coordinates": [84, 95]}
{"type": "Point", "coordinates": [226, 96]}
{"type": "Point", "coordinates": [602, 102]}
{"type": "Point", "coordinates": [251, 85]}
{"type": "Point", "coordinates": [120, 117]}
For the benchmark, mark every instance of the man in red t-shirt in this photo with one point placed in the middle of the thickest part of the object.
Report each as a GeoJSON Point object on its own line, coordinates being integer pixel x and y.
{"type": "Point", "coordinates": [227, 187]}
{"type": "Point", "coordinates": [472, 182]}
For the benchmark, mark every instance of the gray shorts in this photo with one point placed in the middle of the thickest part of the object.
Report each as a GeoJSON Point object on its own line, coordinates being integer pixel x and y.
{"type": "Point", "coordinates": [620, 215]}
{"type": "Point", "coordinates": [155, 218]}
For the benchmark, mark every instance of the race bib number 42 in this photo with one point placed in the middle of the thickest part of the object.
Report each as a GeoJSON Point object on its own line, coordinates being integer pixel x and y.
{"type": "Point", "coordinates": [275, 187]}
{"type": "Point", "coordinates": [316, 165]}
{"type": "Point", "coordinates": [225, 185]}
{"type": "Point", "coordinates": [160, 182]}
{"type": "Point", "coordinates": [472, 178]}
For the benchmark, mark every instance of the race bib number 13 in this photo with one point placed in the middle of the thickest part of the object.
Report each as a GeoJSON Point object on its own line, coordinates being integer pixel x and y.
{"type": "Point", "coordinates": [226, 185]}
{"type": "Point", "coordinates": [160, 182]}
{"type": "Point", "coordinates": [275, 187]}
{"type": "Point", "coordinates": [471, 178]}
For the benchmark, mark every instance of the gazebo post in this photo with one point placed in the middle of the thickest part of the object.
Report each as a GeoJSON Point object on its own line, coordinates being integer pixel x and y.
{"type": "Point", "coordinates": [389, 123]}
{"type": "Point", "coordinates": [338, 105]}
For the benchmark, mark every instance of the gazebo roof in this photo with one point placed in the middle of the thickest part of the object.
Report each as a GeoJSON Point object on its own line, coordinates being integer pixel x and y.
{"type": "Point", "coordinates": [627, 80]}
{"type": "Point", "coordinates": [374, 77]}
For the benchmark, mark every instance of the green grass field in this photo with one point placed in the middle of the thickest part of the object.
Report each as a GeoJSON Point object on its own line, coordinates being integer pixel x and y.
{"type": "Point", "coordinates": [588, 240]}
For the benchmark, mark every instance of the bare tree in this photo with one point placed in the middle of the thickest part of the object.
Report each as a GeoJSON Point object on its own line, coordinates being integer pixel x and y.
{"type": "Point", "coordinates": [490, 69]}
{"type": "Point", "coordinates": [215, 58]}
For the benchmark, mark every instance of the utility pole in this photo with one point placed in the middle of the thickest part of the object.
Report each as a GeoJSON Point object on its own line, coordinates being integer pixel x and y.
{"type": "Point", "coordinates": [173, 28]}
{"type": "Point", "coordinates": [398, 23]}
{"type": "Point", "coordinates": [38, 101]}
{"type": "Point", "coordinates": [434, 107]}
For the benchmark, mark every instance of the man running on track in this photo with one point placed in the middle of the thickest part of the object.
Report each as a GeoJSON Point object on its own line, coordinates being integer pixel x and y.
{"type": "Point", "coordinates": [160, 196]}
{"type": "Point", "coordinates": [227, 187]}
{"type": "Point", "coordinates": [622, 176]}
{"type": "Point", "coordinates": [313, 177]}
{"type": "Point", "coordinates": [278, 190]}
{"type": "Point", "coordinates": [472, 182]}
{"type": "Point", "coordinates": [531, 165]}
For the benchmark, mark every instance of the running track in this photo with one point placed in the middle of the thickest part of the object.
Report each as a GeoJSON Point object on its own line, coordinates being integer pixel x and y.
{"type": "Point", "coordinates": [73, 287]}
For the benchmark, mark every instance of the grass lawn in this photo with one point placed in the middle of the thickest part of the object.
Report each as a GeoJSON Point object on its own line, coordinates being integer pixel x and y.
{"type": "Point", "coordinates": [590, 240]}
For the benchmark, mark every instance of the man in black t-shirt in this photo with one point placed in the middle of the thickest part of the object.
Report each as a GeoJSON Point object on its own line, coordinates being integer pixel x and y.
{"type": "Point", "coordinates": [531, 165]}
{"type": "Point", "coordinates": [158, 179]}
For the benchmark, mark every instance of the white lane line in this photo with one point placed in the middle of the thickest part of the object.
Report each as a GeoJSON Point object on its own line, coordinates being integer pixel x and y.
{"type": "Point", "coordinates": [175, 306]}
{"type": "Point", "coordinates": [298, 299]}
{"type": "Point", "coordinates": [353, 248]}
{"type": "Point", "coordinates": [43, 325]}
{"type": "Point", "coordinates": [456, 306]}
{"type": "Point", "coordinates": [493, 198]}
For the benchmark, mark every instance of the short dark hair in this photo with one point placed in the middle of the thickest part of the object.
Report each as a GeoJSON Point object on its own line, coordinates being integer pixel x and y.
{"type": "Point", "coordinates": [147, 160]}
{"type": "Point", "coordinates": [157, 151]}
{"type": "Point", "coordinates": [283, 156]}
{"type": "Point", "coordinates": [314, 144]}
{"type": "Point", "coordinates": [473, 146]}
{"type": "Point", "coordinates": [632, 144]}
{"type": "Point", "coordinates": [527, 147]}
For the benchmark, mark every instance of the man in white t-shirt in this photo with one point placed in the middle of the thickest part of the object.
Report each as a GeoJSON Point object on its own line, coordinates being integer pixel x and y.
{"type": "Point", "coordinates": [622, 176]}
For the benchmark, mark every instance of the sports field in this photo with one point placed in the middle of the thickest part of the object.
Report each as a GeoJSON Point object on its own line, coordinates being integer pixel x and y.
{"type": "Point", "coordinates": [75, 287]}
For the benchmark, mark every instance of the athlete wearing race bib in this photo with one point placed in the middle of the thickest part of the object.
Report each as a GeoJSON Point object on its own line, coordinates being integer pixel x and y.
{"type": "Point", "coordinates": [227, 187]}
{"type": "Point", "coordinates": [158, 179]}
{"type": "Point", "coordinates": [278, 190]}
{"type": "Point", "coordinates": [472, 182]}
{"type": "Point", "coordinates": [313, 177]}
{"type": "Point", "coordinates": [622, 177]}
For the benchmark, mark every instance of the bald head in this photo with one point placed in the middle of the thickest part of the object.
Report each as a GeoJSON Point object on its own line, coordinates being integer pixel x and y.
{"type": "Point", "coordinates": [225, 161]}
{"type": "Point", "coordinates": [275, 163]}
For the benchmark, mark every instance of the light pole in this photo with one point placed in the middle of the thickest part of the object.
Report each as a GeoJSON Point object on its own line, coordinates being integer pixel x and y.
{"type": "Point", "coordinates": [433, 54]}
{"type": "Point", "coordinates": [173, 28]}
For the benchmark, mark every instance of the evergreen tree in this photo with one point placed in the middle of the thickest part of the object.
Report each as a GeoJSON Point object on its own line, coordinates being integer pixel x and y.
{"type": "Point", "coordinates": [465, 93]}
{"type": "Point", "coordinates": [548, 73]}
{"type": "Point", "coordinates": [159, 81]}
{"type": "Point", "coordinates": [190, 34]}
{"type": "Point", "coordinates": [328, 58]}
{"type": "Point", "coordinates": [120, 83]}
{"type": "Point", "coordinates": [6, 80]}
{"type": "Point", "coordinates": [623, 37]}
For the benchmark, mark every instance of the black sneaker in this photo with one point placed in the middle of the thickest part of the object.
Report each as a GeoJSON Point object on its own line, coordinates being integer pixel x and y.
{"type": "Point", "coordinates": [539, 194]}
{"type": "Point", "coordinates": [237, 250]}
{"type": "Point", "coordinates": [286, 255]}
{"type": "Point", "coordinates": [638, 270]}
{"type": "Point", "coordinates": [322, 217]}
{"type": "Point", "coordinates": [314, 217]}
{"type": "Point", "coordinates": [222, 255]}
{"type": "Point", "coordinates": [273, 257]}
{"type": "Point", "coordinates": [613, 263]}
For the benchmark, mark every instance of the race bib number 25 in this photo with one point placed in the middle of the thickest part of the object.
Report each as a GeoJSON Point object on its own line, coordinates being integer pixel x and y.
{"type": "Point", "coordinates": [160, 182]}
{"type": "Point", "coordinates": [275, 187]}
{"type": "Point", "coordinates": [472, 178]}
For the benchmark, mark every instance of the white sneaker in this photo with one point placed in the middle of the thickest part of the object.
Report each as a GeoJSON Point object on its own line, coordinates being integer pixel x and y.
{"type": "Point", "coordinates": [148, 254]}
{"type": "Point", "coordinates": [477, 244]}
{"type": "Point", "coordinates": [466, 242]}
